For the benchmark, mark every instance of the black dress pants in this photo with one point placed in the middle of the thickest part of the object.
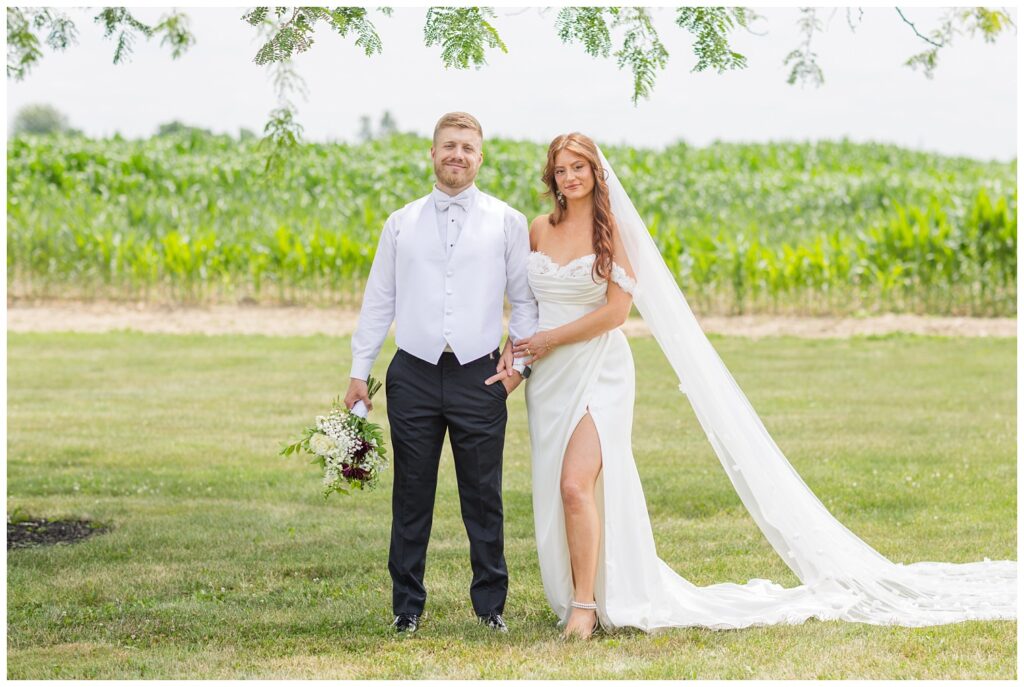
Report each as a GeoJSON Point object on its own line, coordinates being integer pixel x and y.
{"type": "Point", "coordinates": [424, 401]}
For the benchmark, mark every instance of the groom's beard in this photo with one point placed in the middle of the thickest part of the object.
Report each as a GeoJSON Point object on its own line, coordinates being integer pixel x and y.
{"type": "Point", "coordinates": [453, 178]}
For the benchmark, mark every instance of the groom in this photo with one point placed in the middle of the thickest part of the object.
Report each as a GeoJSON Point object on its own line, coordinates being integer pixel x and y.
{"type": "Point", "coordinates": [442, 269]}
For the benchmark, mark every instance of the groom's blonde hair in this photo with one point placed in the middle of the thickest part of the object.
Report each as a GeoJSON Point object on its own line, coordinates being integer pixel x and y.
{"type": "Point", "coordinates": [460, 120]}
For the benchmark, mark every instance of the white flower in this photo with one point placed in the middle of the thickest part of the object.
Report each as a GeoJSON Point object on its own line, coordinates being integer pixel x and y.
{"type": "Point", "coordinates": [321, 444]}
{"type": "Point", "coordinates": [336, 426]}
{"type": "Point", "coordinates": [329, 477]}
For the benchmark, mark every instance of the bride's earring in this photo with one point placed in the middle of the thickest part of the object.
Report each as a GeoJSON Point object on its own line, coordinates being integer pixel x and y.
{"type": "Point", "coordinates": [560, 197]}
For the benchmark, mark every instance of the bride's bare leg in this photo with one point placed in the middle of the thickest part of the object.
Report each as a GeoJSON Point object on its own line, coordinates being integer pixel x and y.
{"type": "Point", "coordinates": [580, 468]}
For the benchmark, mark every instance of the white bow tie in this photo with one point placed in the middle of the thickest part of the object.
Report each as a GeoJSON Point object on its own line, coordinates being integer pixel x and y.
{"type": "Point", "coordinates": [444, 203]}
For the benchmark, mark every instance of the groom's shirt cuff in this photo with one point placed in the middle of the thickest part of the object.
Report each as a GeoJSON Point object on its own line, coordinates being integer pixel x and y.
{"type": "Point", "coordinates": [361, 368]}
{"type": "Point", "coordinates": [519, 365]}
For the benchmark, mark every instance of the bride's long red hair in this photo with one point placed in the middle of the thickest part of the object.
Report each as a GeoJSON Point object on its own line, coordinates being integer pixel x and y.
{"type": "Point", "coordinates": [604, 221]}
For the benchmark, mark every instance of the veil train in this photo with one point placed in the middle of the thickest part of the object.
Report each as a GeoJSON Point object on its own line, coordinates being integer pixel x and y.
{"type": "Point", "coordinates": [827, 557]}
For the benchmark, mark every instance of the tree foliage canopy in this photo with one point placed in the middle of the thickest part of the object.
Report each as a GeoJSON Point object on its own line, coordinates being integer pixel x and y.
{"type": "Point", "coordinates": [40, 120]}
{"type": "Point", "coordinates": [466, 34]}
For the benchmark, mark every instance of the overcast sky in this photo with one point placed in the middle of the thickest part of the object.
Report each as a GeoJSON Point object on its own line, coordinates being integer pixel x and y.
{"type": "Point", "coordinates": [542, 88]}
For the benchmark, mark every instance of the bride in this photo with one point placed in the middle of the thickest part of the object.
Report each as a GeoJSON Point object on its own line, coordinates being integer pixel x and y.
{"type": "Point", "coordinates": [591, 258]}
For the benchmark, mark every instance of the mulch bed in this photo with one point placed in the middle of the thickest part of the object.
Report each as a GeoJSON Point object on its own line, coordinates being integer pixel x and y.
{"type": "Point", "coordinates": [43, 532]}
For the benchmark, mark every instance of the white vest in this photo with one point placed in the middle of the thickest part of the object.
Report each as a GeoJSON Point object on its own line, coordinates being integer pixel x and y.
{"type": "Point", "coordinates": [458, 301]}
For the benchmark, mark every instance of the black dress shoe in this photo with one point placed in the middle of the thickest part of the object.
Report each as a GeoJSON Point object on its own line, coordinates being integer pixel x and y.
{"type": "Point", "coordinates": [494, 621]}
{"type": "Point", "coordinates": [406, 623]}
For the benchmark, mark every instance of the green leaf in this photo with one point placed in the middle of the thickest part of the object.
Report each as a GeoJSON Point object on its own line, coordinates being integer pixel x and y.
{"type": "Point", "coordinates": [281, 138]}
{"type": "Point", "coordinates": [463, 33]}
{"type": "Point", "coordinates": [586, 25]}
{"type": "Point", "coordinates": [641, 50]}
{"type": "Point", "coordinates": [711, 26]}
{"type": "Point", "coordinates": [174, 26]}
{"type": "Point", "coordinates": [120, 21]}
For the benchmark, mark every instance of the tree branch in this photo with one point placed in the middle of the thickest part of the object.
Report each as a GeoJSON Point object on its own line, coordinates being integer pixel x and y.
{"type": "Point", "coordinates": [919, 34]}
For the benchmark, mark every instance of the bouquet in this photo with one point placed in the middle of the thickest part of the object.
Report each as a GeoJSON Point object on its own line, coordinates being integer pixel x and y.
{"type": "Point", "coordinates": [348, 447]}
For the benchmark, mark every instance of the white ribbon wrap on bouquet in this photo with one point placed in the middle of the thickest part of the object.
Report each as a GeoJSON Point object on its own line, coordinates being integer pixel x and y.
{"type": "Point", "coordinates": [359, 409]}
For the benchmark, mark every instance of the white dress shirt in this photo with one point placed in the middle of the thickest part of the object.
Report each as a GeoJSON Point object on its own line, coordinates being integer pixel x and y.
{"type": "Point", "coordinates": [451, 215]}
{"type": "Point", "coordinates": [450, 220]}
{"type": "Point", "coordinates": [445, 290]}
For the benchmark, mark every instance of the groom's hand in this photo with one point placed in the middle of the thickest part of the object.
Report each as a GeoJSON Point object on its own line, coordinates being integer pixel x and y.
{"type": "Point", "coordinates": [357, 391]}
{"type": "Point", "coordinates": [510, 382]}
{"type": "Point", "coordinates": [506, 359]}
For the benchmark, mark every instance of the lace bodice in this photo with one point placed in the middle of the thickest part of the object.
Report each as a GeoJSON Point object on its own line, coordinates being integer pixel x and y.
{"type": "Point", "coordinates": [541, 263]}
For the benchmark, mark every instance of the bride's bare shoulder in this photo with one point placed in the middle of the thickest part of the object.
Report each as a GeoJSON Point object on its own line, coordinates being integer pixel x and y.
{"type": "Point", "coordinates": [538, 226]}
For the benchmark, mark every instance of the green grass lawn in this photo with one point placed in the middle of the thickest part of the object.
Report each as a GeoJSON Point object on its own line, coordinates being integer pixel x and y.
{"type": "Point", "coordinates": [224, 562]}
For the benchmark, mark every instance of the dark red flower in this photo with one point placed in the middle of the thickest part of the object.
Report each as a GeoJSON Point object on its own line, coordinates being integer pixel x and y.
{"type": "Point", "coordinates": [361, 448]}
{"type": "Point", "coordinates": [353, 472]}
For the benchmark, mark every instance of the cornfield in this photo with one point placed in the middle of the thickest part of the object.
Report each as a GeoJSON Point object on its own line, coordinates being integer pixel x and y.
{"type": "Point", "coordinates": [811, 228]}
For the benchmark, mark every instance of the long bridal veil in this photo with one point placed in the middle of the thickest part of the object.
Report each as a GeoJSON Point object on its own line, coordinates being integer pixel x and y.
{"type": "Point", "coordinates": [824, 555]}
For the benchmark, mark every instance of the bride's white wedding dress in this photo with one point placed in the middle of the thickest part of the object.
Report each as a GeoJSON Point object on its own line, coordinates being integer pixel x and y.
{"type": "Point", "coordinates": [843, 578]}
{"type": "Point", "coordinates": [633, 587]}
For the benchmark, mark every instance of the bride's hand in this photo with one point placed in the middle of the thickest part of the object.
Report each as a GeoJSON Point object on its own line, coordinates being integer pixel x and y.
{"type": "Point", "coordinates": [534, 347]}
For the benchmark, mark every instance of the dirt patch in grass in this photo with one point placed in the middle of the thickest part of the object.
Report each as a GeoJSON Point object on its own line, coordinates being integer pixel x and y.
{"type": "Point", "coordinates": [42, 532]}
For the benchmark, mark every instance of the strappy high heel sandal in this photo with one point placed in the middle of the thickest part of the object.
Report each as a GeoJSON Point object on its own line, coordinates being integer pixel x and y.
{"type": "Point", "coordinates": [586, 607]}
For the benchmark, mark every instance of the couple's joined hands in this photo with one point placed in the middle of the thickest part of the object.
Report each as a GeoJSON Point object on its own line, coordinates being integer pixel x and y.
{"type": "Point", "coordinates": [504, 373]}
{"type": "Point", "coordinates": [535, 347]}
{"type": "Point", "coordinates": [532, 348]}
